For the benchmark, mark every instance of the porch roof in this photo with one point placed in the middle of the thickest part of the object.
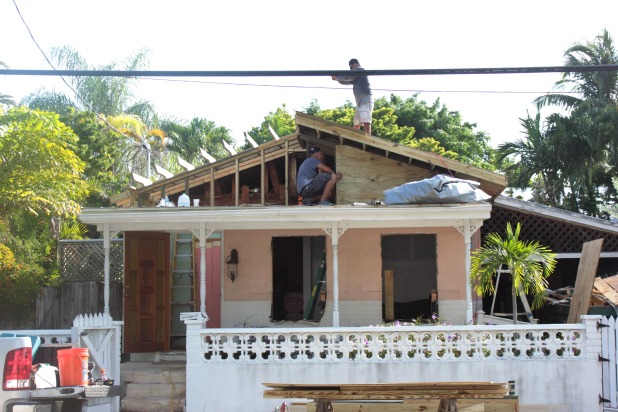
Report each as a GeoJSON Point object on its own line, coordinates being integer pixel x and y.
{"type": "Point", "coordinates": [286, 217]}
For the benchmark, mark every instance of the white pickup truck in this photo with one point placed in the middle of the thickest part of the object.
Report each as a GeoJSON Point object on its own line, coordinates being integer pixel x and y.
{"type": "Point", "coordinates": [18, 393]}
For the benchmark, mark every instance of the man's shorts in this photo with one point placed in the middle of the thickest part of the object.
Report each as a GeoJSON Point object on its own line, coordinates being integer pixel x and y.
{"type": "Point", "coordinates": [363, 113]}
{"type": "Point", "coordinates": [316, 187]}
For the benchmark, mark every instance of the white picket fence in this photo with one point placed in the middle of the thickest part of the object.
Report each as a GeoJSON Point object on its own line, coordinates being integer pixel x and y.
{"type": "Point", "coordinates": [102, 336]}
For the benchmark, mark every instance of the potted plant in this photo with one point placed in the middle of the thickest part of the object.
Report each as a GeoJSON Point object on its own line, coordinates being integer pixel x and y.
{"type": "Point", "coordinates": [529, 263]}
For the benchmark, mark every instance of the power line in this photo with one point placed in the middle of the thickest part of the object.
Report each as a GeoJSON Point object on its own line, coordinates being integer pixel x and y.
{"type": "Point", "coordinates": [308, 73]}
{"type": "Point", "coordinates": [346, 89]}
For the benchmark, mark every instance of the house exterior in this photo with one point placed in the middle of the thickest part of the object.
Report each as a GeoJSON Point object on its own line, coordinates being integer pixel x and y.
{"type": "Point", "coordinates": [259, 289]}
{"type": "Point", "coordinates": [248, 204]}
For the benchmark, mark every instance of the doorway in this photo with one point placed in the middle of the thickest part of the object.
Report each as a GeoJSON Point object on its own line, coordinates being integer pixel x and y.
{"type": "Point", "coordinates": [297, 268]}
{"type": "Point", "coordinates": [412, 262]}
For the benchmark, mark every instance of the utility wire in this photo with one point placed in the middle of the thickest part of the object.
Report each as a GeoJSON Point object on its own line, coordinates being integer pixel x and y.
{"type": "Point", "coordinates": [103, 119]}
{"type": "Point", "coordinates": [310, 73]}
{"type": "Point", "coordinates": [344, 89]}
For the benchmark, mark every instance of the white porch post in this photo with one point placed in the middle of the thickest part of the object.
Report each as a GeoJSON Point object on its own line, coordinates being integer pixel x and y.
{"type": "Point", "coordinates": [106, 267]}
{"type": "Point", "coordinates": [202, 236]}
{"type": "Point", "coordinates": [335, 231]}
{"type": "Point", "coordinates": [467, 229]}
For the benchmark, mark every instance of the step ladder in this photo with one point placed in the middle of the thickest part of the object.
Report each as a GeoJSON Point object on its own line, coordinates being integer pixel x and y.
{"type": "Point", "coordinates": [522, 297]}
{"type": "Point", "coordinates": [182, 288]}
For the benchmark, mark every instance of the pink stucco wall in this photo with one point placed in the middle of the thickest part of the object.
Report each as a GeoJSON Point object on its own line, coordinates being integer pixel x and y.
{"type": "Point", "coordinates": [360, 263]}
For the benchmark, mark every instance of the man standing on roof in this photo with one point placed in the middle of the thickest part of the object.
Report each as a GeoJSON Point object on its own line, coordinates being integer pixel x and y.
{"type": "Point", "coordinates": [362, 95]}
{"type": "Point", "coordinates": [316, 179]}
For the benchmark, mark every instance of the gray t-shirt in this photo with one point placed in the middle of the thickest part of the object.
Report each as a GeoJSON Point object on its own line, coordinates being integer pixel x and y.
{"type": "Point", "coordinates": [307, 172]}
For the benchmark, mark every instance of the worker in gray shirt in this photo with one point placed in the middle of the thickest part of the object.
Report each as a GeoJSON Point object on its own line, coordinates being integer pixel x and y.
{"type": "Point", "coordinates": [315, 178]}
{"type": "Point", "coordinates": [362, 95]}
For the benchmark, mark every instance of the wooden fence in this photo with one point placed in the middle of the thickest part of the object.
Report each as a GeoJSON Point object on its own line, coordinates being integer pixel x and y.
{"type": "Point", "coordinates": [81, 291]}
{"type": "Point", "coordinates": [58, 306]}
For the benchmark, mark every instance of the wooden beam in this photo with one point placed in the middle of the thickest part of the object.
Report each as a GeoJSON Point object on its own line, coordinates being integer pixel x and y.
{"type": "Point", "coordinates": [160, 170]}
{"type": "Point", "coordinates": [141, 179]}
{"type": "Point", "coordinates": [207, 156]}
{"type": "Point", "coordinates": [250, 140]}
{"type": "Point", "coordinates": [606, 290]}
{"type": "Point", "coordinates": [389, 295]}
{"type": "Point", "coordinates": [273, 133]}
{"type": "Point", "coordinates": [182, 162]}
{"type": "Point", "coordinates": [586, 272]}
{"type": "Point", "coordinates": [228, 147]}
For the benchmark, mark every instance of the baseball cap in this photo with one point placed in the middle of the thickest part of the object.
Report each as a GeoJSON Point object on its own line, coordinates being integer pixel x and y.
{"type": "Point", "coordinates": [353, 61]}
{"type": "Point", "coordinates": [313, 150]}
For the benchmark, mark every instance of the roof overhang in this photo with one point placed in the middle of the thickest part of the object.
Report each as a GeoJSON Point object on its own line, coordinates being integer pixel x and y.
{"type": "Point", "coordinates": [296, 217]}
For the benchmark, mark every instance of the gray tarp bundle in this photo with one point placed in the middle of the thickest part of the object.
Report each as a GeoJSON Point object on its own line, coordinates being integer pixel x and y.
{"type": "Point", "coordinates": [437, 189]}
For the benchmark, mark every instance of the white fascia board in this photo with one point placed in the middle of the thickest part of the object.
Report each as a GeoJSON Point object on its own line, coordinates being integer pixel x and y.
{"type": "Point", "coordinates": [295, 217]}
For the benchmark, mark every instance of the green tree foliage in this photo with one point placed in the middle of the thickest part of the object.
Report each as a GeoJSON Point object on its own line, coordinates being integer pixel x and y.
{"type": "Point", "coordinates": [5, 99]}
{"type": "Point", "coordinates": [38, 171]}
{"type": "Point", "coordinates": [412, 122]}
{"type": "Point", "coordinates": [19, 286]}
{"type": "Point", "coordinates": [529, 262]}
{"type": "Point", "coordinates": [101, 149]}
{"type": "Point", "coordinates": [110, 96]}
{"type": "Point", "coordinates": [186, 140]}
{"type": "Point", "coordinates": [141, 145]}
{"type": "Point", "coordinates": [281, 121]}
{"type": "Point", "coordinates": [571, 158]}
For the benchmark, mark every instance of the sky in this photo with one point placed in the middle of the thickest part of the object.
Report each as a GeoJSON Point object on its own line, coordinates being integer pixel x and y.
{"type": "Point", "coordinates": [234, 35]}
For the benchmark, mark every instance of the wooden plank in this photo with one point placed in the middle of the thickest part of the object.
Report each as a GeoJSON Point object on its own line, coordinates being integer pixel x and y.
{"type": "Point", "coordinates": [389, 295]}
{"type": "Point", "coordinates": [493, 183]}
{"type": "Point", "coordinates": [606, 290]}
{"type": "Point", "coordinates": [612, 281]}
{"type": "Point", "coordinates": [586, 272]}
{"type": "Point", "coordinates": [377, 174]}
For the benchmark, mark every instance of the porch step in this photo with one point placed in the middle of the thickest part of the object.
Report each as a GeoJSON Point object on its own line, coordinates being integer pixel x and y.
{"type": "Point", "coordinates": [153, 386]}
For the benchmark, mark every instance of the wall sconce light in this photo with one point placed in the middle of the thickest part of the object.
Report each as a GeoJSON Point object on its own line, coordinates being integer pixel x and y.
{"type": "Point", "coordinates": [232, 262]}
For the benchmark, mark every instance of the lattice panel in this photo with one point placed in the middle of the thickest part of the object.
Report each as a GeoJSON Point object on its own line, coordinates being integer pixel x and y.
{"type": "Point", "coordinates": [558, 236]}
{"type": "Point", "coordinates": [82, 260]}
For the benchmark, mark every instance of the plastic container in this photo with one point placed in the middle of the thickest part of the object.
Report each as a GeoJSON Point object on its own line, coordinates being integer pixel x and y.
{"type": "Point", "coordinates": [184, 201]}
{"type": "Point", "coordinates": [73, 367]}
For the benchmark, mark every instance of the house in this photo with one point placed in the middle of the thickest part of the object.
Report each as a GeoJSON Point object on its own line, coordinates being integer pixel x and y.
{"type": "Point", "coordinates": [250, 280]}
{"type": "Point", "coordinates": [249, 210]}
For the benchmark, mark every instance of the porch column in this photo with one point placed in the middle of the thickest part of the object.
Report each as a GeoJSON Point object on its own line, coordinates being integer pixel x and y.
{"type": "Point", "coordinates": [106, 267]}
{"type": "Point", "coordinates": [467, 229]}
{"type": "Point", "coordinates": [335, 231]}
{"type": "Point", "coordinates": [203, 235]}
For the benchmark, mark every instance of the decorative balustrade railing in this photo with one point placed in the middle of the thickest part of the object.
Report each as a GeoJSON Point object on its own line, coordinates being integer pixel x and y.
{"type": "Point", "coordinates": [410, 343]}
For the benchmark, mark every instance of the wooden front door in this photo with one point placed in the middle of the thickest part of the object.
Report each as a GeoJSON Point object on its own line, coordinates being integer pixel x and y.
{"type": "Point", "coordinates": [146, 292]}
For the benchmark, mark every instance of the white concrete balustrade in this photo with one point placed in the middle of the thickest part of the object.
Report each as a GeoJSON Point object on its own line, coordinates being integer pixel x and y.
{"type": "Point", "coordinates": [399, 344]}
{"type": "Point", "coordinates": [226, 367]}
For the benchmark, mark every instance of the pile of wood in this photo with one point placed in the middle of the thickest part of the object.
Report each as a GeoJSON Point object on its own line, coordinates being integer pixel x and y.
{"type": "Point", "coordinates": [604, 293]}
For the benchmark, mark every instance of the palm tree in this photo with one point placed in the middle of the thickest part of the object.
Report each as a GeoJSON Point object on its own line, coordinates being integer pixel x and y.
{"type": "Point", "coordinates": [142, 145]}
{"type": "Point", "coordinates": [187, 140]}
{"type": "Point", "coordinates": [530, 265]}
{"type": "Point", "coordinates": [108, 96]}
{"type": "Point", "coordinates": [589, 131]}
{"type": "Point", "coordinates": [600, 87]}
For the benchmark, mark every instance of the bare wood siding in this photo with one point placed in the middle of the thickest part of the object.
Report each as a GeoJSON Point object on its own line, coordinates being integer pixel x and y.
{"type": "Point", "coordinates": [366, 176]}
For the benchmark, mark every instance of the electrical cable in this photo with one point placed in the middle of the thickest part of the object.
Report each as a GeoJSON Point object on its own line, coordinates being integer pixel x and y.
{"type": "Point", "coordinates": [103, 119]}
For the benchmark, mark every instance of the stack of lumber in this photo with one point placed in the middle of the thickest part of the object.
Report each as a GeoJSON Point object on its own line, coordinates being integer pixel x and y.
{"type": "Point", "coordinates": [604, 293]}
{"type": "Point", "coordinates": [386, 397]}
